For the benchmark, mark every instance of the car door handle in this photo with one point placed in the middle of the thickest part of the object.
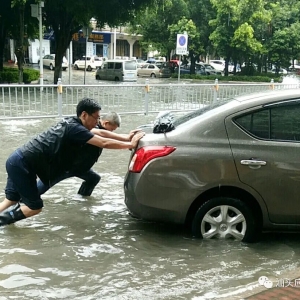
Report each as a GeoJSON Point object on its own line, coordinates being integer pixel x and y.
{"type": "Point", "coordinates": [253, 162]}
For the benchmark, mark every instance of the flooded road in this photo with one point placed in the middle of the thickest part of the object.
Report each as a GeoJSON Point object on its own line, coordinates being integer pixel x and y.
{"type": "Point", "coordinates": [90, 248]}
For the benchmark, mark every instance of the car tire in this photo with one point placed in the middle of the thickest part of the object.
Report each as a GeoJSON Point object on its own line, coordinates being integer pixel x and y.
{"type": "Point", "coordinates": [97, 77]}
{"type": "Point", "coordinates": [216, 219]}
{"type": "Point", "coordinates": [51, 67]}
{"type": "Point", "coordinates": [64, 69]}
{"type": "Point", "coordinates": [152, 75]}
{"type": "Point", "coordinates": [89, 68]}
{"type": "Point", "coordinates": [76, 67]}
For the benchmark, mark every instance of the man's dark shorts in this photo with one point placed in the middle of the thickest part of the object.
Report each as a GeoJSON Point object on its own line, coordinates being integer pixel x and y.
{"type": "Point", "coordinates": [21, 182]}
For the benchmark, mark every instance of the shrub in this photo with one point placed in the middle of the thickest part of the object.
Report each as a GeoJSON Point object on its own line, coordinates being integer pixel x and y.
{"type": "Point", "coordinates": [245, 78]}
{"type": "Point", "coordinates": [11, 75]}
{"type": "Point", "coordinates": [30, 75]}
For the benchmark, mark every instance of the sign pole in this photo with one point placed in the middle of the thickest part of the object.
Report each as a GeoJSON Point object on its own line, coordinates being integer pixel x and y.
{"type": "Point", "coordinates": [179, 68]}
{"type": "Point", "coordinates": [86, 43]}
{"type": "Point", "coordinates": [181, 48]}
{"type": "Point", "coordinates": [41, 4]}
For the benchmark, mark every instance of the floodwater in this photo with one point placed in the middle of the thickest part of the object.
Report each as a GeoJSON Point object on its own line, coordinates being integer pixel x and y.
{"type": "Point", "coordinates": [90, 248]}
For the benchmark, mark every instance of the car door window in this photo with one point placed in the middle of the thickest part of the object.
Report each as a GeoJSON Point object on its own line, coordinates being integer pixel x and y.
{"type": "Point", "coordinates": [118, 66]}
{"type": "Point", "coordinates": [110, 65]}
{"type": "Point", "coordinates": [273, 123]}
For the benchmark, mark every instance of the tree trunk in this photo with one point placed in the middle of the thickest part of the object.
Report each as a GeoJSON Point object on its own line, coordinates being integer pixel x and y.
{"type": "Point", "coordinates": [63, 36]}
{"type": "Point", "coordinates": [20, 44]}
{"type": "Point", "coordinates": [193, 61]}
{"type": "Point", "coordinates": [5, 7]}
{"type": "Point", "coordinates": [2, 43]}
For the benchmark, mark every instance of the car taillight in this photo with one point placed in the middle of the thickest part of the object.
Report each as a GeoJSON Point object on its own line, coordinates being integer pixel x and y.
{"type": "Point", "coordinates": [143, 155]}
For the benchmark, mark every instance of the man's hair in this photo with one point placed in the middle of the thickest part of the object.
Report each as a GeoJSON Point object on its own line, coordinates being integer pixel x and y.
{"type": "Point", "coordinates": [87, 104]}
{"type": "Point", "coordinates": [113, 118]}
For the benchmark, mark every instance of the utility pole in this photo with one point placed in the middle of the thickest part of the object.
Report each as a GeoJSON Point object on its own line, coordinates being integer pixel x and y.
{"type": "Point", "coordinates": [36, 12]}
{"type": "Point", "coordinates": [41, 4]}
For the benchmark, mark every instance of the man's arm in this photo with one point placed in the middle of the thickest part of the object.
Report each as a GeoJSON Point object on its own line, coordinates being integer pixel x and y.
{"type": "Point", "coordinates": [116, 136]}
{"type": "Point", "coordinates": [110, 143]}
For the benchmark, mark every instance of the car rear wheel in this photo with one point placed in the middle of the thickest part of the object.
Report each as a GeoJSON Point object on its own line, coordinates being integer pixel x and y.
{"type": "Point", "coordinates": [225, 218]}
{"type": "Point", "coordinates": [89, 68]}
{"type": "Point", "coordinates": [152, 75]}
{"type": "Point", "coordinates": [51, 67]}
{"type": "Point", "coordinates": [76, 67]}
{"type": "Point", "coordinates": [97, 77]}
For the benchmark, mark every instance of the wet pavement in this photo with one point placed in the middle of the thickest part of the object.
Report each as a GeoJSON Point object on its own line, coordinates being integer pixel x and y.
{"type": "Point", "coordinates": [90, 248]}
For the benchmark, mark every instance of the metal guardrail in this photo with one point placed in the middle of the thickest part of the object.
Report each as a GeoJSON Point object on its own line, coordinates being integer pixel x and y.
{"type": "Point", "coordinates": [36, 101]}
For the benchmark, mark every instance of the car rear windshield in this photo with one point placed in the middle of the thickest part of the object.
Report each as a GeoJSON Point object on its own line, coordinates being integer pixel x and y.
{"type": "Point", "coordinates": [130, 65]}
{"type": "Point", "coordinates": [196, 113]}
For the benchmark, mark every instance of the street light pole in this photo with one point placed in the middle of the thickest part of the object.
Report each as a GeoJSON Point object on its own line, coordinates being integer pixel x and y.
{"type": "Point", "coordinates": [86, 43]}
{"type": "Point", "coordinates": [41, 4]}
{"type": "Point", "coordinates": [115, 42]}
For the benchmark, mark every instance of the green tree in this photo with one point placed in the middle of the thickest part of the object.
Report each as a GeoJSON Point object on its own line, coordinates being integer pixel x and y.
{"type": "Point", "coordinates": [21, 28]}
{"type": "Point", "coordinates": [194, 46]}
{"type": "Point", "coordinates": [283, 42]}
{"type": "Point", "coordinates": [5, 16]}
{"type": "Point", "coordinates": [68, 16]}
{"type": "Point", "coordinates": [234, 33]}
{"type": "Point", "coordinates": [153, 23]}
{"type": "Point", "coordinates": [201, 12]}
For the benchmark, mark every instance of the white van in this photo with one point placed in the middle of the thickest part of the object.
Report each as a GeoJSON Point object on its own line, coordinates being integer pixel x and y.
{"type": "Point", "coordinates": [117, 70]}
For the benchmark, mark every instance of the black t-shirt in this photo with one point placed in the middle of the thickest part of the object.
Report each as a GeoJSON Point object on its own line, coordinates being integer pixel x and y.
{"type": "Point", "coordinates": [87, 156]}
{"type": "Point", "coordinates": [55, 150]}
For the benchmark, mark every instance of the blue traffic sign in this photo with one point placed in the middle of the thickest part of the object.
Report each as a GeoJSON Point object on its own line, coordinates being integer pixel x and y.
{"type": "Point", "coordinates": [182, 40]}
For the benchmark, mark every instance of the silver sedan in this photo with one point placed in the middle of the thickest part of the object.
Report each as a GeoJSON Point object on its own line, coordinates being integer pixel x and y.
{"type": "Point", "coordinates": [152, 70]}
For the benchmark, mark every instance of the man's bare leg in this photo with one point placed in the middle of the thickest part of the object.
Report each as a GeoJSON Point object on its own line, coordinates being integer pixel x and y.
{"type": "Point", "coordinates": [6, 204]}
{"type": "Point", "coordinates": [29, 212]}
{"type": "Point", "coordinates": [15, 214]}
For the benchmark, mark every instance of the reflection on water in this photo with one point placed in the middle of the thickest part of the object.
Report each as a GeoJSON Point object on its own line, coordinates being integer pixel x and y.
{"type": "Point", "coordinates": [90, 248]}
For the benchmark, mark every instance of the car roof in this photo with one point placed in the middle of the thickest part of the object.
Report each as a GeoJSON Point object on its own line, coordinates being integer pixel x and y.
{"type": "Point", "coordinates": [119, 60]}
{"type": "Point", "coordinates": [245, 102]}
{"type": "Point", "coordinates": [272, 96]}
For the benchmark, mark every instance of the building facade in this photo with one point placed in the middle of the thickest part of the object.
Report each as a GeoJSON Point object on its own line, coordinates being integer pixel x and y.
{"type": "Point", "coordinates": [106, 42]}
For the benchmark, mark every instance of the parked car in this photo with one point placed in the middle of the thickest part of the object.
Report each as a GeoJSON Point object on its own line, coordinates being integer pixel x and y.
{"type": "Point", "coordinates": [186, 69]}
{"type": "Point", "coordinates": [210, 70]}
{"type": "Point", "coordinates": [92, 63]}
{"type": "Point", "coordinates": [280, 71]}
{"type": "Point", "coordinates": [151, 60]}
{"type": "Point", "coordinates": [294, 67]}
{"type": "Point", "coordinates": [218, 64]}
{"type": "Point", "coordinates": [152, 70]}
{"type": "Point", "coordinates": [231, 68]}
{"type": "Point", "coordinates": [140, 63]}
{"type": "Point", "coordinates": [227, 170]}
{"type": "Point", "coordinates": [175, 62]}
{"type": "Point", "coordinates": [117, 70]}
{"type": "Point", "coordinates": [49, 62]}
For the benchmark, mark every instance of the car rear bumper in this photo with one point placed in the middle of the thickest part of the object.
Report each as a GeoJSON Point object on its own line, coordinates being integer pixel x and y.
{"type": "Point", "coordinates": [146, 212]}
